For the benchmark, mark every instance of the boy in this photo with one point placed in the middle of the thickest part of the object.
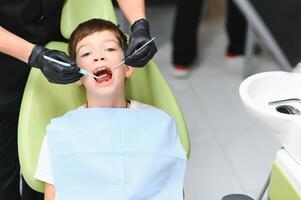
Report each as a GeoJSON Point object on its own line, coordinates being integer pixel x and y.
{"type": "Point", "coordinates": [103, 150]}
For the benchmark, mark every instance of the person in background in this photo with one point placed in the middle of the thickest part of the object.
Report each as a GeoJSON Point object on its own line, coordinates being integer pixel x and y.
{"type": "Point", "coordinates": [236, 28]}
{"type": "Point", "coordinates": [25, 26]}
{"type": "Point", "coordinates": [185, 34]}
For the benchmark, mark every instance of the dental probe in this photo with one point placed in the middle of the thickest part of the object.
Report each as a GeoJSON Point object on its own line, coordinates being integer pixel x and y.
{"type": "Point", "coordinates": [123, 60]}
{"type": "Point", "coordinates": [137, 50]}
{"type": "Point", "coordinates": [84, 72]}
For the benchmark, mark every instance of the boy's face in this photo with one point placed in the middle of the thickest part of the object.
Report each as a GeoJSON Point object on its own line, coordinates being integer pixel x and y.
{"type": "Point", "coordinates": [98, 53]}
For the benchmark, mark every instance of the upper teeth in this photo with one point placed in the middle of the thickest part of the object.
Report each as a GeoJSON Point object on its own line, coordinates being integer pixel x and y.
{"type": "Point", "coordinates": [100, 70]}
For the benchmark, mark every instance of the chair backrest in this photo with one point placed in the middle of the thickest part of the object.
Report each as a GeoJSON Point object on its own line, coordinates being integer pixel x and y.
{"type": "Point", "coordinates": [77, 11]}
{"type": "Point", "coordinates": [43, 101]}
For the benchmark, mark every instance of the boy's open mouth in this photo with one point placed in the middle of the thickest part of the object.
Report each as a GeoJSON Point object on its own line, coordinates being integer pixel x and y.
{"type": "Point", "coordinates": [104, 73]}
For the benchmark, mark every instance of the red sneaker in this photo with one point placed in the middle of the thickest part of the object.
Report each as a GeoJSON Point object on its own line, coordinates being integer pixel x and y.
{"type": "Point", "coordinates": [181, 71]}
{"type": "Point", "coordinates": [230, 55]}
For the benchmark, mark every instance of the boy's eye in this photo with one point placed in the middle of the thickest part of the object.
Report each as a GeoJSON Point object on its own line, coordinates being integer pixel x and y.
{"type": "Point", "coordinates": [85, 54]}
{"type": "Point", "coordinates": [111, 49]}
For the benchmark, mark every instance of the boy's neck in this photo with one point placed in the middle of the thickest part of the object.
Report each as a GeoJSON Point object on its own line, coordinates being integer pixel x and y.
{"type": "Point", "coordinates": [116, 103]}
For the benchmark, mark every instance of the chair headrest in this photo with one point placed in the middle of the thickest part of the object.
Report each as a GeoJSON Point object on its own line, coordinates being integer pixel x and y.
{"type": "Point", "coordinates": [77, 11]}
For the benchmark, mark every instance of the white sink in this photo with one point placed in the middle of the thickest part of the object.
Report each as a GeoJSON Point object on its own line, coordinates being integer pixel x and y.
{"type": "Point", "coordinates": [259, 90]}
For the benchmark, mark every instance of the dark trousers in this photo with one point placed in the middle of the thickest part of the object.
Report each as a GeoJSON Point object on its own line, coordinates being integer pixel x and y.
{"type": "Point", "coordinates": [9, 162]}
{"type": "Point", "coordinates": [184, 36]}
{"type": "Point", "coordinates": [236, 28]}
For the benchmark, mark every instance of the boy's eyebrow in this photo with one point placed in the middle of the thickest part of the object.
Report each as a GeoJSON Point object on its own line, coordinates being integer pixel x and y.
{"type": "Point", "coordinates": [107, 40]}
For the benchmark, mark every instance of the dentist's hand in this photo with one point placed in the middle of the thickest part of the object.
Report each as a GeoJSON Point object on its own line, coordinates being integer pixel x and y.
{"type": "Point", "coordinates": [55, 73]}
{"type": "Point", "coordinates": [140, 35]}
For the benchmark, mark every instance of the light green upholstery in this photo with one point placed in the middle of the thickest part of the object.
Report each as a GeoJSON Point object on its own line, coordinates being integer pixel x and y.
{"type": "Point", "coordinates": [43, 101]}
{"type": "Point", "coordinates": [77, 11]}
{"type": "Point", "coordinates": [281, 187]}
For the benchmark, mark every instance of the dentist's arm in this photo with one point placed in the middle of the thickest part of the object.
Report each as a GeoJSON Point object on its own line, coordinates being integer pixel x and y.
{"type": "Point", "coordinates": [134, 10]}
{"type": "Point", "coordinates": [15, 46]}
{"type": "Point", "coordinates": [31, 54]}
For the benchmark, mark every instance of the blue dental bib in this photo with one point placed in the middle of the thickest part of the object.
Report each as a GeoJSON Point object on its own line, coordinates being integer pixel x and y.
{"type": "Point", "coordinates": [116, 154]}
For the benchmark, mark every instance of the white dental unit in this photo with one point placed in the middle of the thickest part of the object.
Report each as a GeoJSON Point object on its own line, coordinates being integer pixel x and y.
{"type": "Point", "coordinates": [274, 98]}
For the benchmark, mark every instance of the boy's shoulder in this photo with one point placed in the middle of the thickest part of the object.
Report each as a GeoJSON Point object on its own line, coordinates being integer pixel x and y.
{"type": "Point", "coordinates": [138, 105]}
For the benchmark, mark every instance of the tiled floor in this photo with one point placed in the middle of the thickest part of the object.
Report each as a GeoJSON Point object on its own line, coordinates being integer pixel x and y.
{"type": "Point", "coordinates": [231, 152]}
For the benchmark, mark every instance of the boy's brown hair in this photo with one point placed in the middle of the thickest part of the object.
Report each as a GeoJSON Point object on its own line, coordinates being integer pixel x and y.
{"type": "Point", "coordinates": [92, 26]}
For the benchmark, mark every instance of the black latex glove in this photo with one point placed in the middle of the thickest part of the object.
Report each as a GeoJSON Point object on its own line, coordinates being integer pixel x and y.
{"type": "Point", "coordinates": [140, 35]}
{"type": "Point", "coordinates": [55, 73]}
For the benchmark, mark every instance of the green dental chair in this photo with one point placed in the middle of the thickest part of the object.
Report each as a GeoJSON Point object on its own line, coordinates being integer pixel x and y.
{"type": "Point", "coordinates": [43, 101]}
{"type": "Point", "coordinates": [284, 183]}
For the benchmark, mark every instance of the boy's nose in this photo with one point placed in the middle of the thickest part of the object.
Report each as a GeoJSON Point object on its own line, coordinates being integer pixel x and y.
{"type": "Point", "coordinates": [97, 59]}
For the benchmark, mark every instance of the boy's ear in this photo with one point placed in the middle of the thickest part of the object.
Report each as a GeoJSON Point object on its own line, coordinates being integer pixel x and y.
{"type": "Point", "coordinates": [129, 71]}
